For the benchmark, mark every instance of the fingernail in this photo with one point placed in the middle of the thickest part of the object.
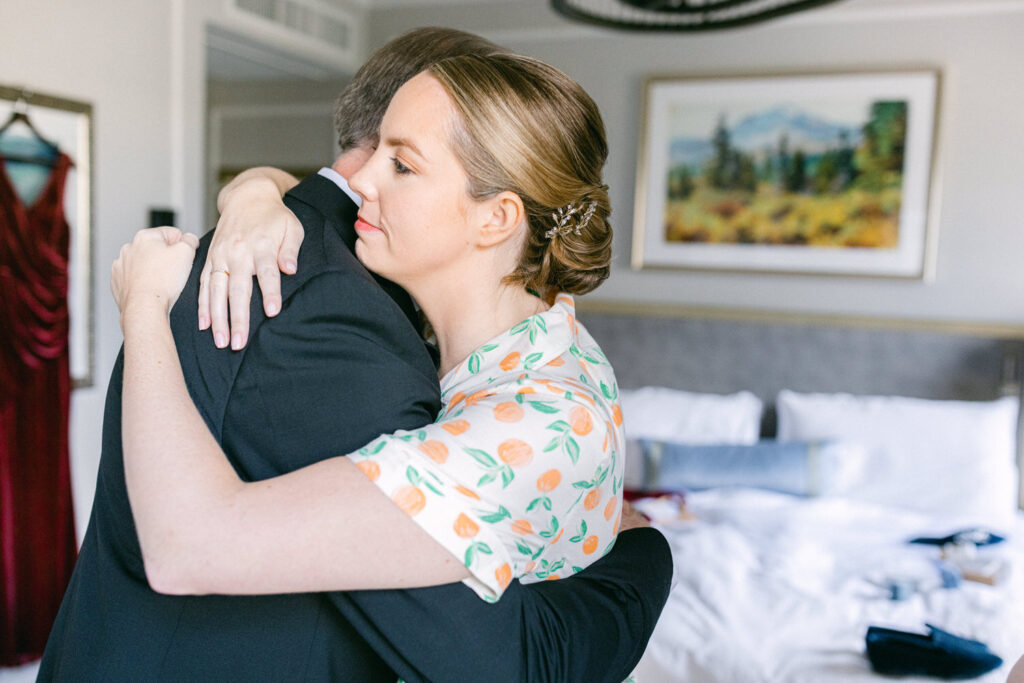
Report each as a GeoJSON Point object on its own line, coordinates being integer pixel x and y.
{"type": "Point", "coordinates": [236, 341]}
{"type": "Point", "coordinates": [290, 265]}
{"type": "Point", "coordinates": [203, 323]}
{"type": "Point", "coordinates": [272, 308]}
{"type": "Point", "coordinates": [220, 339]}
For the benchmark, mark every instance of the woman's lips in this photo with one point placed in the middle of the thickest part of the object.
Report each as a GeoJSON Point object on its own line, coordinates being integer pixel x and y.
{"type": "Point", "coordinates": [363, 226]}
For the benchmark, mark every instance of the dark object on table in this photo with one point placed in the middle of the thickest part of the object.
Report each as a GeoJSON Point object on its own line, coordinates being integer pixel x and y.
{"type": "Point", "coordinates": [939, 654]}
{"type": "Point", "coordinates": [976, 536]}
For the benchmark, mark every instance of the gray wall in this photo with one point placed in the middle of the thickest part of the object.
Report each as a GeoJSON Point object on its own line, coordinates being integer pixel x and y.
{"type": "Point", "coordinates": [976, 45]}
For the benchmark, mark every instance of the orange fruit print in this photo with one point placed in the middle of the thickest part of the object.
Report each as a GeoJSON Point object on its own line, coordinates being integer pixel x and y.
{"type": "Point", "coordinates": [469, 493]}
{"type": "Point", "coordinates": [510, 361]}
{"type": "Point", "coordinates": [549, 480]}
{"type": "Point", "coordinates": [509, 411]}
{"type": "Point", "coordinates": [592, 499]}
{"type": "Point", "coordinates": [579, 418]}
{"type": "Point", "coordinates": [504, 575]}
{"type": "Point", "coordinates": [436, 451]}
{"type": "Point", "coordinates": [522, 526]}
{"type": "Point", "coordinates": [465, 527]}
{"type": "Point", "coordinates": [455, 427]}
{"type": "Point", "coordinates": [515, 452]}
{"type": "Point", "coordinates": [609, 509]}
{"type": "Point", "coordinates": [370, 469]}
{"type": "Point", "coordinates": [410, 499]}
{"type": "Point", "coordinates": [590, 545]}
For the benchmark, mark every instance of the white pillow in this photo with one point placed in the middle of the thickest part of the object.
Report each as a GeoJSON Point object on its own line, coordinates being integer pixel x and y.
{"type": "Point", "coordinates": [951, 459]}
{"type": "Point", "coordinates": [662, 414]}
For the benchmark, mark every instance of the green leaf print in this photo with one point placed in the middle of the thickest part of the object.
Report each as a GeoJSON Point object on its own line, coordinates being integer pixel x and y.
{"type": "Point", "coordinates": [506, 476]}
{"type": "Point", "coordinates": [559, 426]}
{"type": "Point", "coordinates": [474, 548]}
{"type": "Point", "coordinates": [541, 324]}
{"type": "Point", "coordinates": [482, 457]}
{"type": "Point", "coordinates": [531, 360]}
{"type": "Point", "coordinates": [573, 449]}
{"type": "Point", "coordinates": [574, 350]}
{"type": "Point", "coordinates": [551, 530]}
{"type": "Point", "coordinates": [487, 479]}
{"type": "Point", "coordinates": [582, 532]}
{"type": "Point", "coordinates": [412, 475]}
{"type": "Point", "coordinates": [546, 569]}
{"type": "Point", "coordinates": [553, 444]}
{"type": "Point", "coordinates": [608, 392]}
{"type": "Point", "coordinates": [488, 347]}
{"type": "Point", "coordinates": [494, 517]}
{"type": "Point", "coordinates": [543, 407]}
{"type": "Point", "coordinates": [583, 484]}
{"type": "Point", "coordinates": [474, 363]}
{"type": "Point", "coordinates": [520, 327]}
{"type": "Point", "coordinates": [543, 500]}
{"type": "Point", "coordinates": [533, 334]}
{"type": "Point", "coordinates": [373, 449]}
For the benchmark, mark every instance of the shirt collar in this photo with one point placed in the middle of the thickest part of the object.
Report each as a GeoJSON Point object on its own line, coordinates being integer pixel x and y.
{"type": "Point", "coordinates": [334, 176]}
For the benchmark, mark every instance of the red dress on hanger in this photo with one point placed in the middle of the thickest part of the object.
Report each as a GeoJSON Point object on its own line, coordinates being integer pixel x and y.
{"type": "Point", "coordinates": [37, 537]}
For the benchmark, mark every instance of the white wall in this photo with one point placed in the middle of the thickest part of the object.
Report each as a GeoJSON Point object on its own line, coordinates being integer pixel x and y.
{"type": "Point", "coordinates": [116, 55]}
{"type": "Point", "coordinates": [976, 44]}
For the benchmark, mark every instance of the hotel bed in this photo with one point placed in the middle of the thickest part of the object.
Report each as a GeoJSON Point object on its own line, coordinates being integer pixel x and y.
{"type": "Point", "coordinates": [808, 455]}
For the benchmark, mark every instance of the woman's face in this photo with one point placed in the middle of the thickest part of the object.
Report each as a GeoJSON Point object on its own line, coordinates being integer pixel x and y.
{"type": "Point", "coordinates": [417, 218]}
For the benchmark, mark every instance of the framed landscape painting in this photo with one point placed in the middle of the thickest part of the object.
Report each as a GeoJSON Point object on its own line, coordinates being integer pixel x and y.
{"type": "Point", "coordinates": [820, 174]}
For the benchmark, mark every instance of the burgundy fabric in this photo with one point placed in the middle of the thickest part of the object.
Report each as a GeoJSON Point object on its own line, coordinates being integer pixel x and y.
{"type": "Point", "coordinates": [37, 537]}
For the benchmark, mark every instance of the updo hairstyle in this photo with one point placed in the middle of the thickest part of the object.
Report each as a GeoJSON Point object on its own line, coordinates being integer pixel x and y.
{"type": "Point", "coordinates": [527, 128]}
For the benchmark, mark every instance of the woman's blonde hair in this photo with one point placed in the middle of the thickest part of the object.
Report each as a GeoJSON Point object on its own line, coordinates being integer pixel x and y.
{"type": "Point", "coordinates": [526, 127]}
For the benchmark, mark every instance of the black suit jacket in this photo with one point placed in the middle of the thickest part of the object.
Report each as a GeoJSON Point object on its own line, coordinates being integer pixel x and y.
{"type": "Point", "coordinates": [341, 364]}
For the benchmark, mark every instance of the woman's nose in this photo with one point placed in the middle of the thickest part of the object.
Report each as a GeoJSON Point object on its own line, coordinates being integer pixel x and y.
{"type": "Point", "coordinates": [361, 183]}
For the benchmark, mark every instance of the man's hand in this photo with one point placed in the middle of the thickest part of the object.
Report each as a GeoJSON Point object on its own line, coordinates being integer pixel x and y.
{"type": "Point", "coordinates": [631, 518]}
{"type": "Point", "coordinates": [256, 235]}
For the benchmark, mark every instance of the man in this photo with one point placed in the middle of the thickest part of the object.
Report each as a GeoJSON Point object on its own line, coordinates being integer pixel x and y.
{"type": "Point", "coordinates": [323, 377]}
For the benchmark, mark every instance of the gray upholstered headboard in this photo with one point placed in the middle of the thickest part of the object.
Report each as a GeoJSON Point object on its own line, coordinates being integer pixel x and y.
{"type": "Point", "coordinates": [705, 353]}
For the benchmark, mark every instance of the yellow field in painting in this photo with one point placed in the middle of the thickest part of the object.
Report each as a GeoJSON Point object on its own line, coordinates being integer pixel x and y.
{"type": "Point", "coordinates": [853, 218]}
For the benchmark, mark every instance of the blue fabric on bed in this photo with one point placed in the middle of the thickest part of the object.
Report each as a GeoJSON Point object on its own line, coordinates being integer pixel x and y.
{"type": "Point", "coordinates": [796, 467]}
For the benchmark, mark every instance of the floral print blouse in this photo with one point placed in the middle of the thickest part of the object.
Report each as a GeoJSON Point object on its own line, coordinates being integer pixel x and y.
{"type": "Point", "coordinates": [521, 474]}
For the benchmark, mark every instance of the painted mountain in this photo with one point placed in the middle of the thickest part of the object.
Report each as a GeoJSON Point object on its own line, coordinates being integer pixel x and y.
{"type": "Point", "coordinates": [761, 131]}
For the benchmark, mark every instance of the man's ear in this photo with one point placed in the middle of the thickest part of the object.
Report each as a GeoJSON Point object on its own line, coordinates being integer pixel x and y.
{"type": "Point", "coordinates": [502, 214]}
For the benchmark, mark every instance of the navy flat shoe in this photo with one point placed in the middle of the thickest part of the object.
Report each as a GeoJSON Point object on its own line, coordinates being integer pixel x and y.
{"type": "Point", "coordinates": [939, 653]}
{"type": "Point", "coordinates": [975, 536]}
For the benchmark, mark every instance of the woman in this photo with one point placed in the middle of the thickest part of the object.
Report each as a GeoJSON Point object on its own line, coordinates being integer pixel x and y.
{"type": "Point", "coordinates": [484, 192]}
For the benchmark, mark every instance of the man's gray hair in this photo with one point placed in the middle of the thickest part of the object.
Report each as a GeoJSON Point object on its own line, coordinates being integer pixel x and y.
{"type": "Point", "coordinates": [360, 108]}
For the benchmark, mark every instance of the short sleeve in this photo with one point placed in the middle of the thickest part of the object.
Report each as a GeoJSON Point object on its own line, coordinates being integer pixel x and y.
{"type": "Point", "coordinates": [516, 479]}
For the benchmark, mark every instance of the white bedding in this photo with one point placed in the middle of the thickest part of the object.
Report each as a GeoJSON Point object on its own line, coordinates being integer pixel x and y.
{"type": "Point", "coordinates": [775, 589]}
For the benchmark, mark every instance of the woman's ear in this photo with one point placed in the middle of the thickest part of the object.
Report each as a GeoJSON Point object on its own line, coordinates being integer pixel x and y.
{"type": "Point", "coordinates": [502, 214]}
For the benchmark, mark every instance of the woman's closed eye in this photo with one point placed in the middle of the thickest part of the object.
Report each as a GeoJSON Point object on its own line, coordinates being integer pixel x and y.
{"type": "Point", "coordinates": [400, 168]}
